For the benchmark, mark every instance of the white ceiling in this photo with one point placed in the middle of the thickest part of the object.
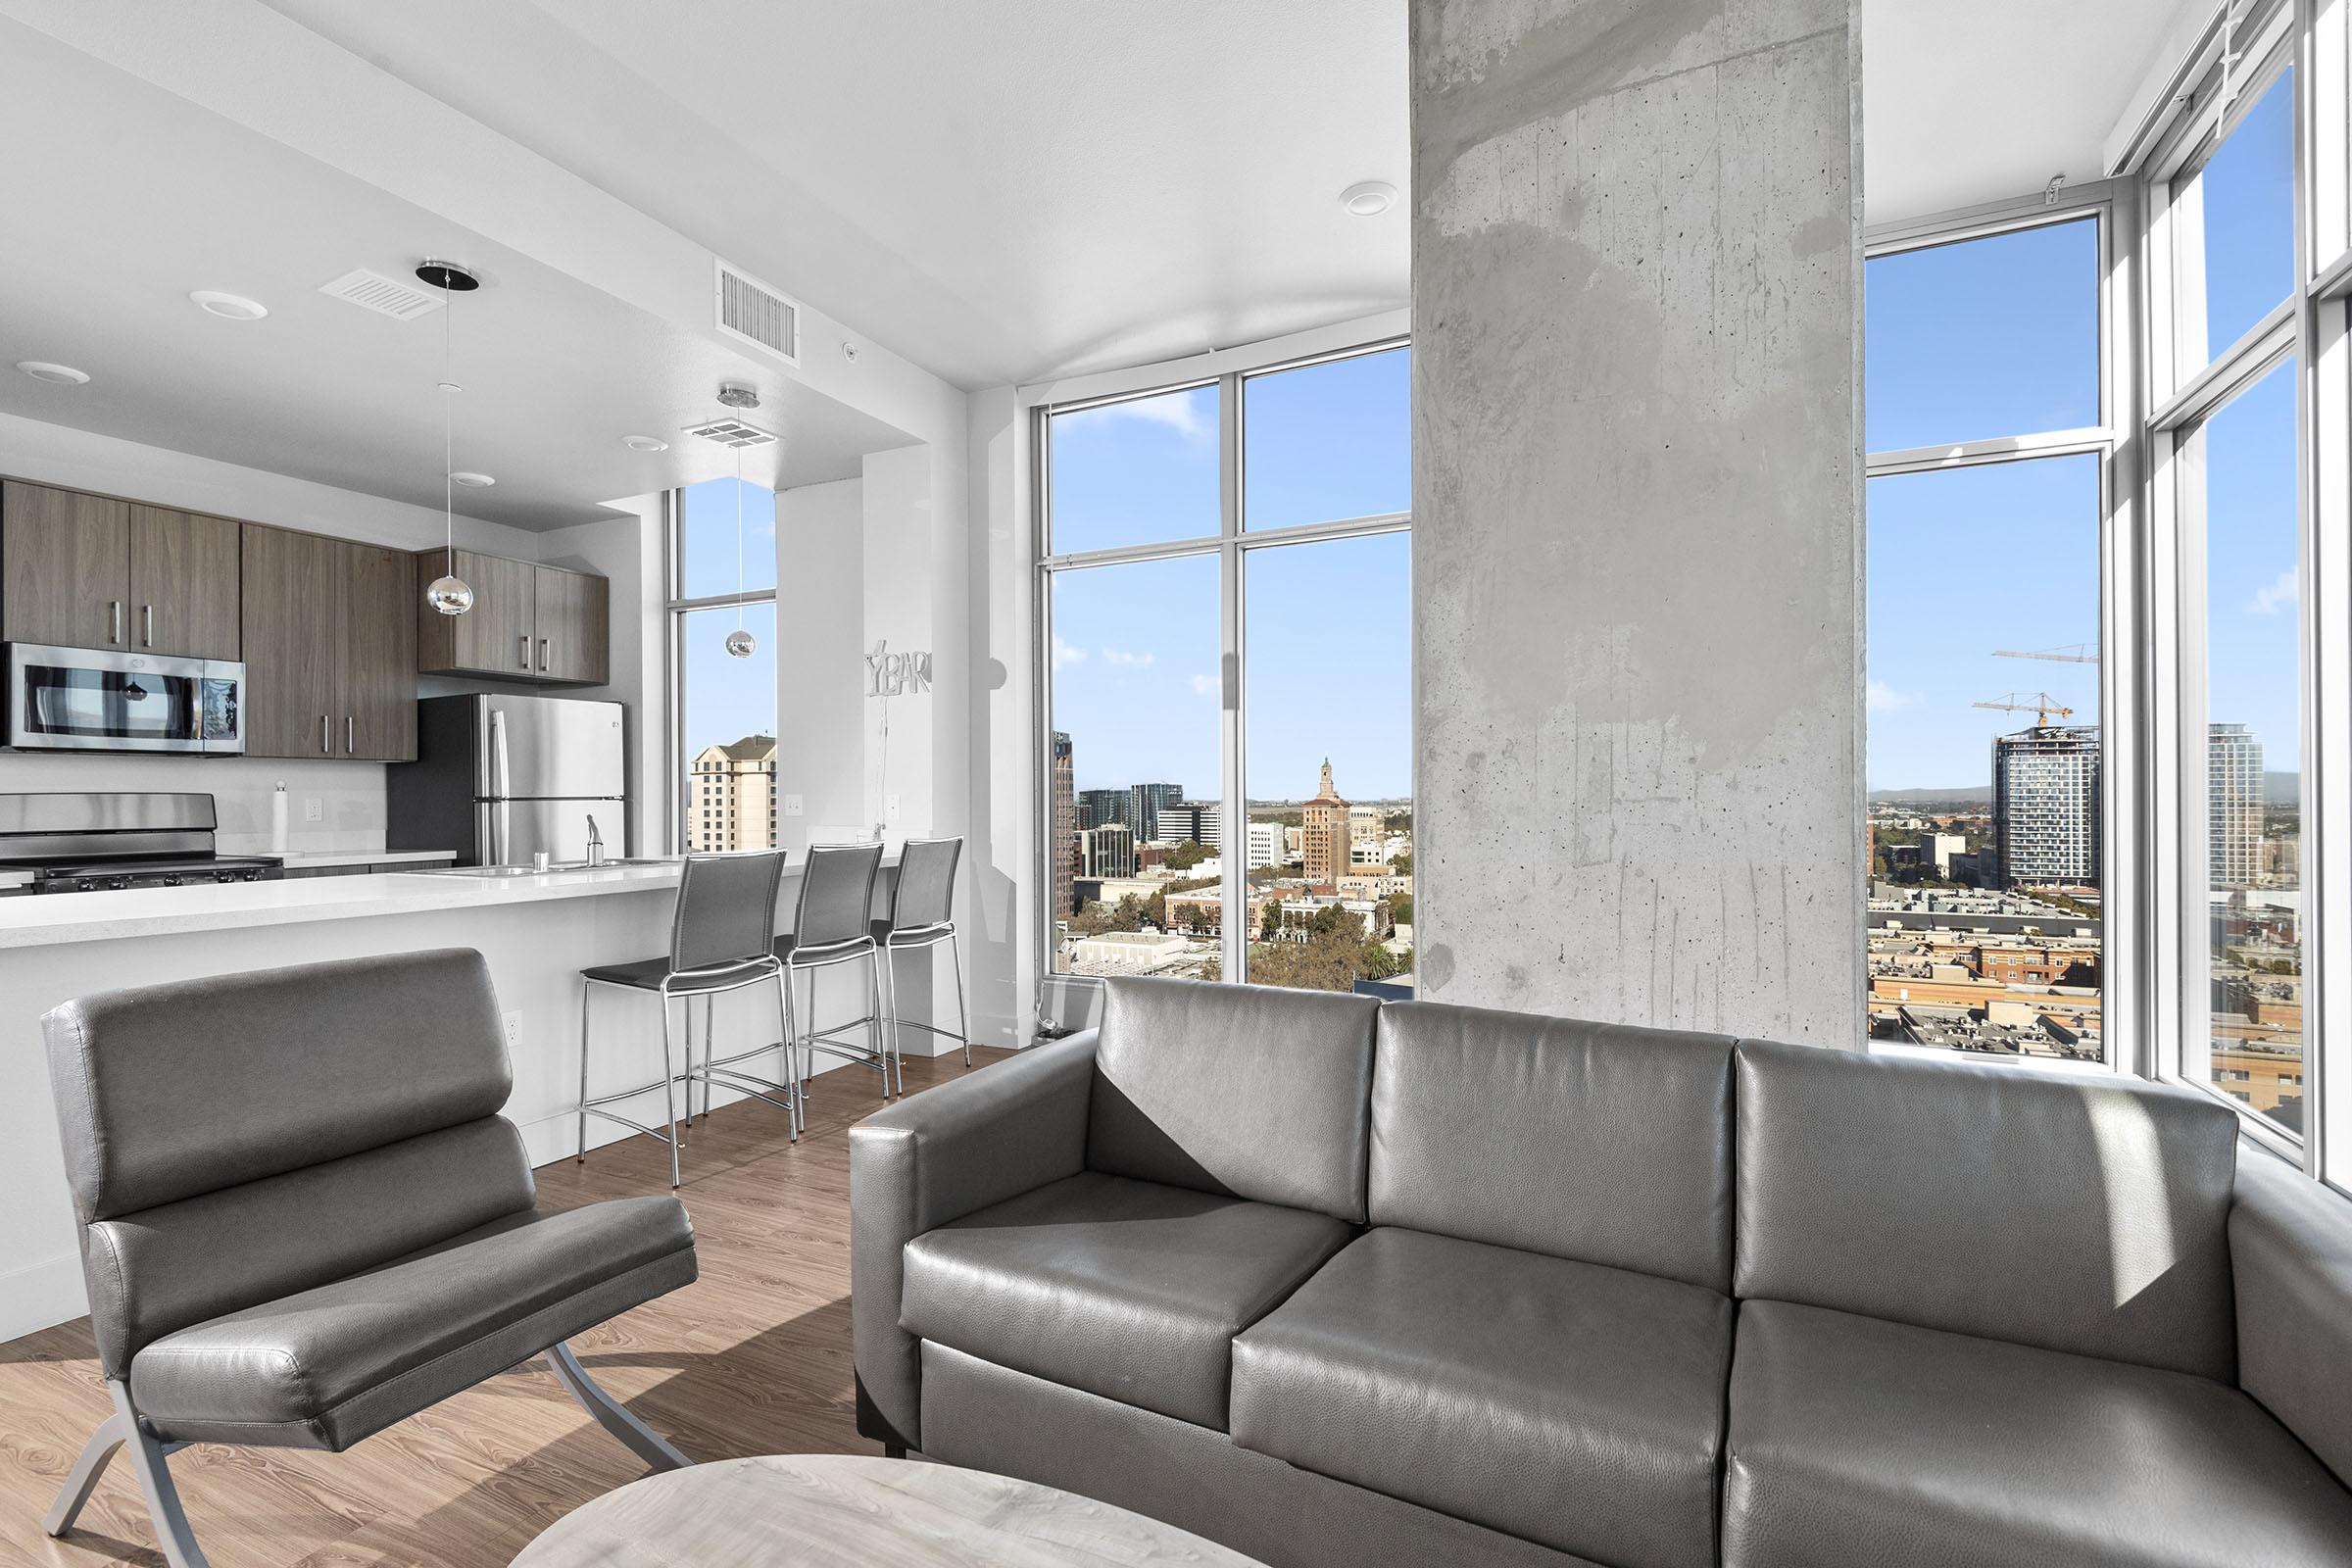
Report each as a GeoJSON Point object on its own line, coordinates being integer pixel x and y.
{"type": "Point", "coordinates": [147, 197]}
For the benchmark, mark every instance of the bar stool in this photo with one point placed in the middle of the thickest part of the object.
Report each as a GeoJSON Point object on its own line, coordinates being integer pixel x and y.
{"type": "Point", "coordinates": [922, 905]}
{"type": "Point", "coordinates": [831, 927]}
{"type": "Point", "coordinates": [718, 941]}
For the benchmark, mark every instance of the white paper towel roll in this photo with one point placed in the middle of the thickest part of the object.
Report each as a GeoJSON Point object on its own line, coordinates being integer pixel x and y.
{"type": "Point", "coordinates": [277, 819]}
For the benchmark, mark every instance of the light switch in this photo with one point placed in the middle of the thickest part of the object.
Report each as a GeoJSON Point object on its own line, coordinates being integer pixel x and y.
{"type": "Point", "coordinates": [314, 810]}
{"type": "Point", "coordinates": [890, 807]}
{"type": "Point", "coordinates": [792, 805]}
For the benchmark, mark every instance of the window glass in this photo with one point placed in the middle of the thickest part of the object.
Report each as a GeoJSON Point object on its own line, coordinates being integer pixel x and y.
{"type": "Point", "coordinates": [1984, 338]}
{"type": "Point", "coordinates": [707, 538]}
{"type": "Point", "coordinates": [1139, 471]}
{"type": "Point", "coordinates": [1984, 767]}
{"type": "Point", "coordinates": [1134, 869]}
{"type": "Point", "coordinates": [2240, 470]}
{"type": "Point", "coordinates": [1330, 441]}
{"type": "Point", "coordinates": [727, 730]}
{"type": "Point", "coordinates": [2234, 228]}
{"type": "Point", "coordinates": [1329, 846]}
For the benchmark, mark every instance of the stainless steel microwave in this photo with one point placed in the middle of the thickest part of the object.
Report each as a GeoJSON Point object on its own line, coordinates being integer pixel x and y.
{"type": "Point", "coordinates": [100, 699]}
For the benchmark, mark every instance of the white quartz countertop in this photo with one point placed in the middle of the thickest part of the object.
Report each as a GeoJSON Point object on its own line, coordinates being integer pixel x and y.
{"type": "Point", "coordinates": [48, 920]}
{"type": "Point", "coordinates": [300, 859]}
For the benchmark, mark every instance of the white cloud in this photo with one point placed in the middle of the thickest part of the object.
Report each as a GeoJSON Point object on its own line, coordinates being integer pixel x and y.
{"type": "Point", "coordinates": [1125, 659]}
{"type": "Point", "coordinates": [1205, 685]}
{"type": "Point", "coordinates": [1884, 698]}
{"type": "Point", "coordinates": [1066, 654]}
{"type": "Point", "coordinates": [1188, 414]}
{"type": "Point", "coordinates": [2277, 596]}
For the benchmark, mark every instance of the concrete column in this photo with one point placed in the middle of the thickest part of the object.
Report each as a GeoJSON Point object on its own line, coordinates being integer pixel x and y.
{"type": "Point", "coordinates": [1637, 511]}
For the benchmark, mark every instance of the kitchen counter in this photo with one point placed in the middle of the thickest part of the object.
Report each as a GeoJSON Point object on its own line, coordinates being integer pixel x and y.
{"type": "Point", "coordinates": [321, 859]}
{"type": "Point", "coordinates": [535, 931]}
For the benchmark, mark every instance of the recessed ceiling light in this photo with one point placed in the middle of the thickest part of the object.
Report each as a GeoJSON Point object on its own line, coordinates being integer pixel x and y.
{"type": "Point", "coordinates": [473, 481]}
{"type": "Point", "coordinates": [62, 374]}
{"type": "Point", "coordinates": [1370, 198]}
{"type": "Point", "coordinates": [230, 307]}
{"type": "Point", "coordinates": [644, 443]}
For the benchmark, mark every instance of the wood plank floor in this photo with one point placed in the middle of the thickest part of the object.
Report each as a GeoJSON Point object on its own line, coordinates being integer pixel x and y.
{"type": "Point", "coordinates": [754, 1357]}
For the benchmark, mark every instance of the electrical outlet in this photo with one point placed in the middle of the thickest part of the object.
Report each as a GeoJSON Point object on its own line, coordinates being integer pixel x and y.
{"type": "Point", "coordinates": [514, 1031]}
{"type": "Point", "coordinates": [792, 805]}
{"type": "Point", "coordinates": [890, 807]}
{"type": "Point", "coordinates": [314, 810]}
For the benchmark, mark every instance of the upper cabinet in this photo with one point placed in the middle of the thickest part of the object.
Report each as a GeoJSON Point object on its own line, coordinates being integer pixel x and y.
{"type": "Point", "coordinates": [330, 650]}
{"type": "Point", "coordinates": [91, 571]}
{"type": "Point", "coordinates": [528, 622]}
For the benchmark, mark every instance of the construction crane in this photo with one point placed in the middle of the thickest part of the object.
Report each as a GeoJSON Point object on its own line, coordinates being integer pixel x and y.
{"type": "Point", "coordinates": [2043, 707]}
{"type": "Point", "coordinates": [2071, 654]}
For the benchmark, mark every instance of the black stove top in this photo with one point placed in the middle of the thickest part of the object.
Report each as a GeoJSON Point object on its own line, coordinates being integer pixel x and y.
{"type": "Point", "coordinates": [89, 843]}
{"type": "Point", "coordinates": [93, 876]}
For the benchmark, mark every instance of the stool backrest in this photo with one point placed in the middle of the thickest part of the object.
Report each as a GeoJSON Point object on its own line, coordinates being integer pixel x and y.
{"type": "Point", "coordinates": [924, 894]}
{"type": "Point", "coordinates": [837, 895]}
{"type": "Point", "coordinates": [726, 909]}
{"type": "Point", "coordinates": [234, 1139]}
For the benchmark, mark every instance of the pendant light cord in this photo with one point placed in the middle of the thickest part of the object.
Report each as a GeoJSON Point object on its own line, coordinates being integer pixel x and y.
{"type": "Point", "coordinates": [739, 537]}
{"type": "Point", "coordinates": [449, 450]}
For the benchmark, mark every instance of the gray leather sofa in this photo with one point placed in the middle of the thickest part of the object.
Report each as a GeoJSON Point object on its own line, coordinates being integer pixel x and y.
{"type": "Point", "coordinates": [1332, 1282]}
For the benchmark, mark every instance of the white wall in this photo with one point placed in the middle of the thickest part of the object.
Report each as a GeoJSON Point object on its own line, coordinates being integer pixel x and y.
{"type": "Point", "coordinates": [1002, 860]}
{"type": "Point", "coordinates": [820, 575]}
{"type": "Point", "coordinates": [349, 796]}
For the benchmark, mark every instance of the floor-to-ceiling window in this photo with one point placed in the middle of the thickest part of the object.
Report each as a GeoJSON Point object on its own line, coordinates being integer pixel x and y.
{"type": "Point", "coordinates": [724, 582]}
{"type": "Point", "coordinates": [1987, 765]}
{"type": "Point", "coordinates": [1226, 654]}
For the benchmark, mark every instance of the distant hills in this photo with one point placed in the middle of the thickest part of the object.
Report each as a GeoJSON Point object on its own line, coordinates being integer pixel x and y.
{"type": "Point", "coordinates": [2278, 789]}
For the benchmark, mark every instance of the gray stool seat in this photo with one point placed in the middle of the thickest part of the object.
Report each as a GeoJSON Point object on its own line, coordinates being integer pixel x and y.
{"type": "Point", "coordinates": [647, 974]}
{"type": "Point", "coordinates": [884, 931]}
{"type": "Point", "coordinates": [326, 1367]}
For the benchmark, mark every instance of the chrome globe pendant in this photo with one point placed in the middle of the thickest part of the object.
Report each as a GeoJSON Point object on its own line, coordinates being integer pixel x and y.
{"type": "Point", "coordinates": [449, 593]}
{"type": "Point", "coordinates": [741, 644]}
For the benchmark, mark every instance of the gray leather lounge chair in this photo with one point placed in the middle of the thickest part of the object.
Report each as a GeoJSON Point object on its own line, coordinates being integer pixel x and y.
{"type": "Point", "coordinates": [303, 1218]}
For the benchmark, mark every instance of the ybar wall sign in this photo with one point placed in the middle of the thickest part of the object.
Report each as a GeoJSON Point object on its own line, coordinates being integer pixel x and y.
{"type": "Point", "coordinates": [889, 674]}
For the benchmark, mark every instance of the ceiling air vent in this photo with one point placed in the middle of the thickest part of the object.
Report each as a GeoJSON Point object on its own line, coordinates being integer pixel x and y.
{"type": "Point", "coordinates": [731, 432]}
{"type": "Point", "coordinates": [749, 309]}
{"type": "Point", "coordinates": [386, 296]}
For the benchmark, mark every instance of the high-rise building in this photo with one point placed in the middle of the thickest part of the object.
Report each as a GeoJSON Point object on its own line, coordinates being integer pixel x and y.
{"type": "Point", "coordinates": [1324, 835]}
{"type": "Point", "coordinates": [731, 797]}
{"type": "Point", "coordinates": [1065, 830]}
{"type": "Point", "coordinates": [1102, 808]}
{"type": "Point", "coordinates": [2045, 807]}
{"type": "Point", "coordinates": [1107, 850]}
{"type": "Point", "coordinates": [2234, 798]}
{"type": "Point", "coordinates": [1199, 821]}
{"type": "Point", "coordinates": [1149, 800]}
{"type": "Point", "coordinates": [1264, 847]}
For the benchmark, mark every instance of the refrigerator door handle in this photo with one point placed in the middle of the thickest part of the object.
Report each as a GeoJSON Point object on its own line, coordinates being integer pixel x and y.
{"type": "Point", "coordinates": [506, 790]}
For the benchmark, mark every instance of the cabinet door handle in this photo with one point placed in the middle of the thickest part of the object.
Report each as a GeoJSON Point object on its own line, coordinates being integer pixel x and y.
{"type": "Point", "coordinates": [543, 653]}
{"type": "Point", "coordinates": [349, 724]}
{"type": "Point", "coordinates": [147, 637]}
{"type": "Point", "coordinates": [524, 649]}
{"type": "Point", "coordinates": [114, 610]}
{"type": "Point", "coordinates": [324, 744]}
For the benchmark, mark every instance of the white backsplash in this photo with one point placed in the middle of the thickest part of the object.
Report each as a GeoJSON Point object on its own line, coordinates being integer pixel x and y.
{"type": "Point", "coordinates": [350, 794]}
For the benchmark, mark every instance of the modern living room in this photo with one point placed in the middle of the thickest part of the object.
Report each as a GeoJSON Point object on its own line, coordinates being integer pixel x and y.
{"type": "Point", "coordinates": [1370, 655]}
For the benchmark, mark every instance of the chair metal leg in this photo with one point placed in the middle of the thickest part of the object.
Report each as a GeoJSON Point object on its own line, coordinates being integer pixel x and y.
{"type": "Point", "coordinates": [788, 1075]}
{"type": "Point", "coordinates": [581, 1155]}
{"type": "Point", "coordinates": [709, 1011]}
{"type": "Point", "coordinates": [886, 988]}
{"type": "Point", "coordinates": [610, 1413]}
{"type": "Point", "coordinates": [883, 1040]}
{"type": "Point", "coordinates": [120, 1430]}
{"type": "Point", "coordinates": [963, 1008]}
{"type": "Point", "coordinates": [670, 1092]}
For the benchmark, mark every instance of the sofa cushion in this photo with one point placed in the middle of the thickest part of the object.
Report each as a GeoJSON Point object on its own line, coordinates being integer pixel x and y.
{"type": "Point", "coordinates": [2082, 1214]}
{"type": "Point", "coordinates": [1247, 1091]}
{"type": "Point", "coordinates": [327, 1367]}
{"type": "Point", "coordinates": [1597, 1142]}
{"type": "Point", "coordinates": [1130, 1289]}
{"type": "Point", "coordinates": [1568, 1404]}
{"type": "Point", "coordinates": [1859, 1441]}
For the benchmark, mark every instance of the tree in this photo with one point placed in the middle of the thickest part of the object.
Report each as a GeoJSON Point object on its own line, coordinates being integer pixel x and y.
{"type": "Point", "coordinates": [1403, 865]}
{"type": "Point", "coordinates": [1400, 909]}
{"type": "Point", "coordinates": [1184, 856]}
{"type": "Point", "coordinates": [1269, 925]}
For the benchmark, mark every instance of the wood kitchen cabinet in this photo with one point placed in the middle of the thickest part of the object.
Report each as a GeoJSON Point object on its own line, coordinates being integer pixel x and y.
{"type": "Point", "coordinates": [528, 622]}
{"type": "Point", "coordinates": [93, 571]}
{"type": "Point", "coordinates": [329, 648]}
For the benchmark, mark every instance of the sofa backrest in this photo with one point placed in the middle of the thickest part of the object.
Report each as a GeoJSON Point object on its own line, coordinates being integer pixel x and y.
{"type": "Point", "coordinates": [235, 1138]}
{"type": "Point", "coordinates": [2081, 1214]}
{"type": "Point", "coordinates": [1597, 1142]}
{"type": "Point", "coordinates": [1247, 1091]}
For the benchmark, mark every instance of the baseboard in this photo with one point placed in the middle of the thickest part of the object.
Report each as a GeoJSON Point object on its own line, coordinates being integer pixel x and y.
{"type": "Point", "coordinates": [40, 1296]}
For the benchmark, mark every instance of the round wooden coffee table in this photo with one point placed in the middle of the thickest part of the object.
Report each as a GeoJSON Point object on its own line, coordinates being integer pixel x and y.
{"type": "Point", "coordinates": [821, 1509]}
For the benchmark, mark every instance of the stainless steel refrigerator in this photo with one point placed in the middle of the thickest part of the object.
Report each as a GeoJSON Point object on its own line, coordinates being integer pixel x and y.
{"type": "Point", "coordinates": [499, 779]}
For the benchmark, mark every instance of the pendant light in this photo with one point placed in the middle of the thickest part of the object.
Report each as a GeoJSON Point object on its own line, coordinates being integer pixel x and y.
{"type": "Point", "coordinates": [740, 642]}
{"type": "Point", "coordinates": [449, 593]}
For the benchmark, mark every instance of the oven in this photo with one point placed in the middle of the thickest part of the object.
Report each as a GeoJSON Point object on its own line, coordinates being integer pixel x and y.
{"type": "Point", "coordinates": [92, 699]}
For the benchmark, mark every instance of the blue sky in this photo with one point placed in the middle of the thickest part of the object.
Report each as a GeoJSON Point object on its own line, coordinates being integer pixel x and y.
{"type": "Point", "coordinates": [728, 698]}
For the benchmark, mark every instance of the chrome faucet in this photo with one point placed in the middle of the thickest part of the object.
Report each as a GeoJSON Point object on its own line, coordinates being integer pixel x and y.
{"type": "Point", "coordinates": [596, 844]}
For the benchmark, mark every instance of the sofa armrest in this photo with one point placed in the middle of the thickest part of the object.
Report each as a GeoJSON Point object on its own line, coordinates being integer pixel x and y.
{"type": "Point", "coordinates": [2290, 1248]}
{"type": "Point", "coordinates": [942, 1155]}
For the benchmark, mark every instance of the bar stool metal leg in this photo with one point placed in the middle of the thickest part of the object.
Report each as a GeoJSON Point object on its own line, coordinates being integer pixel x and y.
{"type": "Point", "coordinates": [886, 985]}
{"type": "Point", "coordinates": [963, 1014]}
{"type": "Point", "coordinates": [791, 1108]}
{"type": "Point", "coordinates": [669, 1093]}
{"type": "Point", "coordinates": [581, 1155]}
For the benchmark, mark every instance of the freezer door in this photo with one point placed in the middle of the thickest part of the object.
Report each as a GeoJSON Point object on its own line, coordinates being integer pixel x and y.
{"type": "Point", "coordinates": [512, 831]}
{"type": "Point", "coordinates": [539, 747]}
